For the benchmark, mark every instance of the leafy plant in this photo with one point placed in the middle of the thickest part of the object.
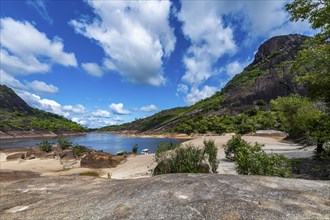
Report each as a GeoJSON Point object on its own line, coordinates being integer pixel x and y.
{"type": "Point", "coordinates": [188, 159]}
{"type": "Point", "coordinates": [135, 148]}
{"type": "Point", "coordinates": [45, 146]}
{"type": "Point", "coordinates": [64, 143]}
{"type": "Point", "coordinates": [78, 150]}
{"type": "Point", "coordinates": [232, 146]}
{"type": "Point", "coordinates": [212, 151]}
{"type": "Point", "coordinates": [252, 160]}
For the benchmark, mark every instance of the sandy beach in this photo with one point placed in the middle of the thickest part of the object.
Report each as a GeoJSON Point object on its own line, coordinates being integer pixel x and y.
{"type": "Point", "coordinates": [140, 166]}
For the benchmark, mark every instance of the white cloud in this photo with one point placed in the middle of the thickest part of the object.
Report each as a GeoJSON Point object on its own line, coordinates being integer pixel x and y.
{"type": "Point", "coordinates": [40, 7]}
{"type": "Point", "coordinates": [149, 108]}
{"type": "Point", "coordinates": [41, 103]}
{"type": "Point", "coordinates": [92, 69]}
{"type": "Point", "coordinates": [236, 67]}
{"type": "Point", "coordinates": [196, 95]}
{"type": "Point", "coordinates": [101, 113]}
{"type": "Point", "coordinates": [118, 109]}
{"type": "Point", "coordinates": [26, 50]}
{"type": "Point", "coordinates": [210, 40]}
{"type": "Point", "coordinates": [42, 87]}
{"type": "Point", "coordinates": [135, 36]}
{"type": "Point", "coordinates": [78, 109]}
{"type": "Point", "coordinates": [182, 88]}
{"type": "Point", "coordinates": [10, 81]}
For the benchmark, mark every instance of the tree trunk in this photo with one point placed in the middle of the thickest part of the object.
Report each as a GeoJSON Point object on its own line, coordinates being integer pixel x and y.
{"type": "Point", "coordinates": [319, 147]}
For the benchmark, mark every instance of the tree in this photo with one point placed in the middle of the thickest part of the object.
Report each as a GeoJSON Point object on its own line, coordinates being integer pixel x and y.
{"type": "Point", "coordinates": [313, 61]}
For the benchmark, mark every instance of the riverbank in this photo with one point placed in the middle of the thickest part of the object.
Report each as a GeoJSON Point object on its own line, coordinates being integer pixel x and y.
{"type": "Point", "coordinates": [140, 166]}
{"type": "Point", "coordinates": [144, 135]}
{"type": "Point", "coordinates": [10, 135]}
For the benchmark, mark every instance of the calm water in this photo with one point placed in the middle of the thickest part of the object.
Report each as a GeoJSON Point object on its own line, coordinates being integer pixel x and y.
{"type": "Point", "coordinates": [99, 141]}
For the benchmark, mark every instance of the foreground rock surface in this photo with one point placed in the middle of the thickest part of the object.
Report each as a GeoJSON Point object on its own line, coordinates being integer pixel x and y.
{"type": "Point", "coordinates": [176, 196]}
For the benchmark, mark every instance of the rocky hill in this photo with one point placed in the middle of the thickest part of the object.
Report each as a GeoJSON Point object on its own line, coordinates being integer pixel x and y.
{"type": "Point", "coordinates": [18, 119]}
{"type": "Point", "coordinates": [174, 196]}
{"type": "Point", "coordinates": [266, 78]}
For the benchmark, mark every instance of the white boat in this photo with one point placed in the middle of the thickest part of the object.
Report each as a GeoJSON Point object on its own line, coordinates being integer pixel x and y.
{"type": "Point", "coordinates": [145, 151]}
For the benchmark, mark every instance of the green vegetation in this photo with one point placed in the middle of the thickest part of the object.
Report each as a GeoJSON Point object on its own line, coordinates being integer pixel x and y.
{"type": "Point", "coordinates": [252, 160]}
{"type": "Point", "coordinates": [40, 120]}
{"type": "Point", "coordinates": [45, 146]}
{"type": "Point", "coordinates": [187, 159]}
{"type": "Point", "coordinates": [135, 148]}
{"type": "Point", "coordinates": [302, 119]}
{"type": "Point", "coordinates": [64, 143]}
{"type": "Point", "coordinates": [90, 173]}
{"type": "Point", "coordinates": [232, 145]}
{"type": "Point", "coordinates": [211, 151]}
{"type": "Point", "coordinates": [312, 62]}
{"type": "Point", "coordinates": [242, 123]}
{"type": "Point", "coordinates": [79, 150]}
{"type": "Point", "coordinates": [245, 78]}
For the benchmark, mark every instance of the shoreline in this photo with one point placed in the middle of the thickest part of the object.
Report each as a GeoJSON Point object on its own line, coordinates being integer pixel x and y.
{"type": "Point", "coordinates": [13, 135]}
{"type": "Point", "coordinates": [139, 166]}
{"type": "Point", "coordinates": [143, 135]}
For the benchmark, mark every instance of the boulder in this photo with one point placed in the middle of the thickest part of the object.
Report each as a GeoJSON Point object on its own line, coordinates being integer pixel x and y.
{"type": "Point", "coordinates": [174, 196]}
{"type": "Point", "coordinates": [97, 159]}
{"type": "Point", "coordinates": [15, 156]}
{"type": "Point", "coordinates": [36, 152]}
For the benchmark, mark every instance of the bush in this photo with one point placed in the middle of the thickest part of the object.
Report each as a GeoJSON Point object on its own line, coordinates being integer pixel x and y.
{"type": "Point", "coordinates": [78, 150]}
{"type": "Point", "coordinates": [212, 151]}
{"type": "Point", "coordinates": [232, 145]}
{"type": "Point", "coordinates": [45, 146]}
{"type": "Point", "coordinates": [166, 146]}
{"type": "Point", "coordinates": [135, 148]}
{"type": "Point", "coordinates": [64, 143]}
{"type": "Point", "coordinates": [251, 160]}
{"type": "Point", "coordinates": [188, 159]}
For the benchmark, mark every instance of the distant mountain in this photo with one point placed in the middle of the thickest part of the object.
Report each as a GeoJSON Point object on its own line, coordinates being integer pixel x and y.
{"type": "Point", "coordinates": [16, 115]}
{"type": "Point", "coordinates": [266, 78]}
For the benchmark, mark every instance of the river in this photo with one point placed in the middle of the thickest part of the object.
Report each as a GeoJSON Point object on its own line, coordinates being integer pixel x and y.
{"type": "Point", "coordinates": [99, 141]}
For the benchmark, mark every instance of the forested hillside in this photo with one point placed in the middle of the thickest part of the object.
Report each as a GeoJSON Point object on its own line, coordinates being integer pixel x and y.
{"type": "Point", "coordinates": [16, 115]}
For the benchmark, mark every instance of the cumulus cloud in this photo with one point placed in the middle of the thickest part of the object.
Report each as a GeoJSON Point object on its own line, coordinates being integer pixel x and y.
{"type": "Point", "coordinates": [196, 95]}
{"type": "Point", "coordinates": [10, 81]}
{"type": "Point", "coordinates": [149, 108]}
{"type": "Point", "coordinates": [135, 36]}
{"type": "Point", "coordinates": [77, 109]}
{"type": "Point", "coordinates": [235, 67]}
{"type": "Point", "coordinates": [40, 7]}
{"type": "Point", "coordinates": [41, 103]}
{"type": "Point", "coordinates": [182, 88]}
{"type": "Point", "coordinates": [101, 113]}
{"type": "Point", "coordinates": [26, 50]}
{"type": "Point", "coordinates": [42, 87]}
{"type": "Point", "coordinates": [209, 37]}
{"type": "Point", "coordinates": [118, 109]}
{"type": "Point", "coordinates": [92, 69]}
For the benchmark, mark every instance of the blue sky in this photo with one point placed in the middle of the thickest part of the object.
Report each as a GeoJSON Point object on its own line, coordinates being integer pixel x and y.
{"type": "Point", "coordinates": [109, 62]}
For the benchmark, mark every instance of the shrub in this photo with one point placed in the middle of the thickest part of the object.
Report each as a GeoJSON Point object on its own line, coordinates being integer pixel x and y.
{"type": "Point", "coordinates": [78, 150]}
{"type": "Point", "coordinates": [45, 146]}
{"type": "Point", "coordinates": [251, 160]}
{"type": "Point", "coordinates": [166, 146]}
{"type": "Point", "coordinates": [188, 159]}
{"type": "Point", "coordinates": [135, 148]}
{"type": "Point", "coordinates": [64, 143]}
{"type": "Point", "coordinates": [212, 151]}
{"type": "Point", "coordinates": [233, 144]}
